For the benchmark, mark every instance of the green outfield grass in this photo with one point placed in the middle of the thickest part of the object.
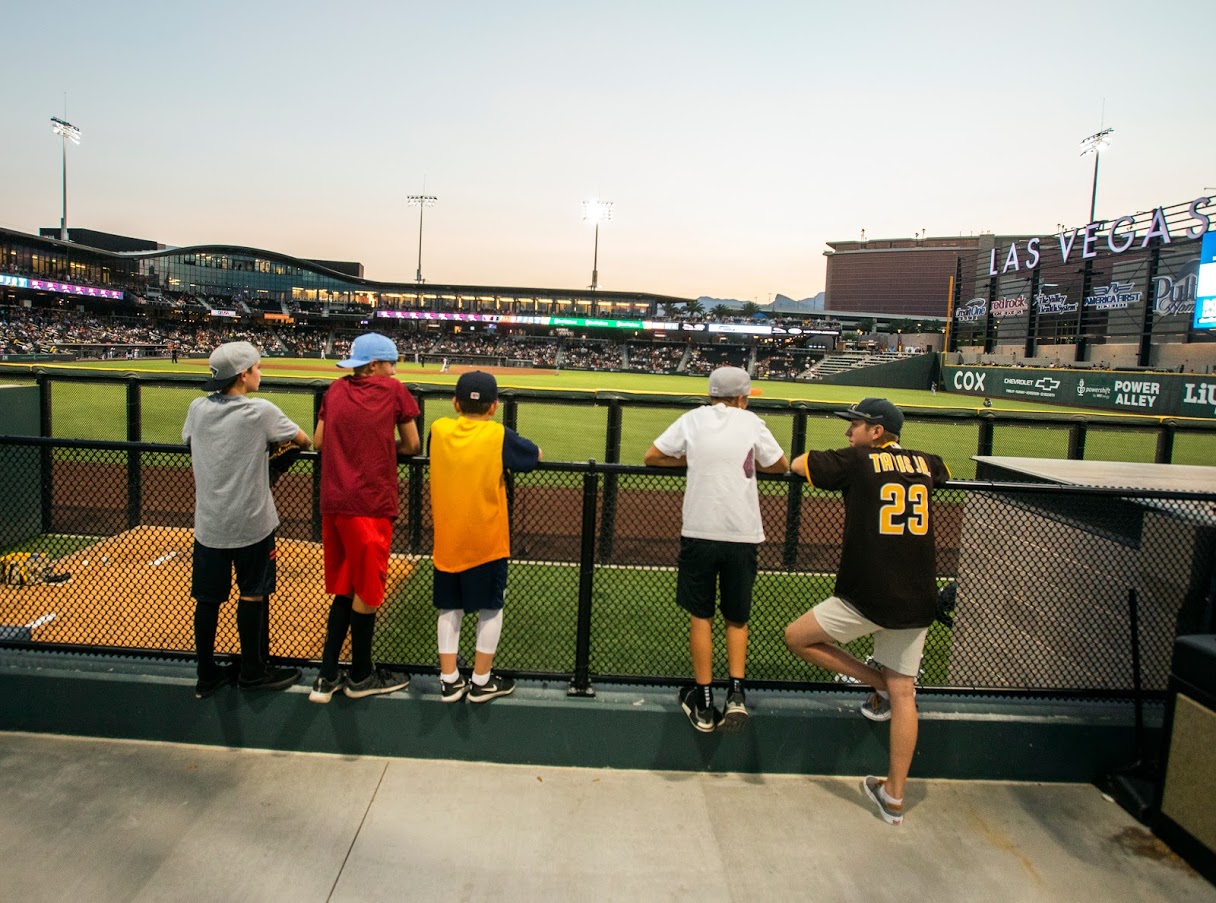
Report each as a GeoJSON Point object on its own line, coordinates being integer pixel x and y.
{"type": "Point", "coordinates": [637, 629]}
{"type": "Point", "coordinates": [570, 431]}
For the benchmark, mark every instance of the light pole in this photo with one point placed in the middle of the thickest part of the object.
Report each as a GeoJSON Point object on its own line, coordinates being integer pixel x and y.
{"type": "Point", "coordinates": [596, 212]}
{"type": "Point", "coordinates": [67, 132]}
{"type": "Point", "coordinates": [421, 201]}
{"type": "Point", "coordinates": [1093, 145]}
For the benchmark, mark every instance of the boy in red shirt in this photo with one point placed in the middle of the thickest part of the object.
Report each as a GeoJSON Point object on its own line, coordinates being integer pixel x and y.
{"type": "Point", "coordinates": [355, 434]}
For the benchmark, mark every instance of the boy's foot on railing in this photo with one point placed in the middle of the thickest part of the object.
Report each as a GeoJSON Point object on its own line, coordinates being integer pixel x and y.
{"type": "Point", "coordinates": [380, 681]}
{"type": "Point", "coordinates": [496, 686]}
{"type": "Point", "coordinates": [323, 690]}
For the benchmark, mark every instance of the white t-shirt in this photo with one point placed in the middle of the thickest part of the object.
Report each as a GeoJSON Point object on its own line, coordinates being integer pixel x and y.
{"type": "Point", "coordinates": [722, 445]}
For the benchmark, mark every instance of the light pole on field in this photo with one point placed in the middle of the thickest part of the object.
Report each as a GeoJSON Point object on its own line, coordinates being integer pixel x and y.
{"type": "Point", "coordinates": [67, 132]}
{"type": "Point", "coordinates": [421, 201]}
{"type": "Point", "coordinates": [596, 212]}
{"type": "Point", "coordinates": [1093, 145]}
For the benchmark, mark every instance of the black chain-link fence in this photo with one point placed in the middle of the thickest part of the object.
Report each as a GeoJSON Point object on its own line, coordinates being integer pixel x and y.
{"type": "Point", "coordinates": [1040, 584]}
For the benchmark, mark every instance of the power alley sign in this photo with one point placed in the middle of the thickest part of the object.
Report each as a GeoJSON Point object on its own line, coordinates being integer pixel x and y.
{"type": "Point", "coordinates": [1154, 394]}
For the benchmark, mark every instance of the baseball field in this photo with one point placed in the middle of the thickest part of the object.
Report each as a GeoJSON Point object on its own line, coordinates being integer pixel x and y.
{"type": "Point", "coordinates": [637, 629]}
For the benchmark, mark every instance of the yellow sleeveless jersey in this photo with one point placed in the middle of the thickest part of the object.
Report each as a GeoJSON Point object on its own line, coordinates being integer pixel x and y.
{"type": "Point", "coordinates": [468, 493]}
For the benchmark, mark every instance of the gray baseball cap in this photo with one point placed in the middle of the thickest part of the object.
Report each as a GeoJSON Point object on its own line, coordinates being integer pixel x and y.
{"type": "Point", "coordinates": [228, 361]}
{"type": "Point", "coordinates": [729, 382]}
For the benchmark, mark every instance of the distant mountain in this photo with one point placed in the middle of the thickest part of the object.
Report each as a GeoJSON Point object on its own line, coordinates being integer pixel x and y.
{"type": "Point", "coordinates": [781, 304]}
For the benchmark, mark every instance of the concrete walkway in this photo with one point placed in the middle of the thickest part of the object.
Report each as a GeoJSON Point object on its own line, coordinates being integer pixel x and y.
{"type": "Point", "coordinates": [103, 820]}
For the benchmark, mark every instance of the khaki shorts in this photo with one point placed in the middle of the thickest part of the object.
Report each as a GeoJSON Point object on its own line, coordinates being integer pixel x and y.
{"type": "Point", "coordinates": [898, 650]}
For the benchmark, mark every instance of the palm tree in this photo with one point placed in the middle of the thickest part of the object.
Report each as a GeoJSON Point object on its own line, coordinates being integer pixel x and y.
{"type": "Point", "coordinates": [720, 312]}
{"type": "Point", "coordinates": [668, 308]}
{"type": "Point", "coordinates": [694, 307]}
{"type": "Point", "coordinates": [750, 309]}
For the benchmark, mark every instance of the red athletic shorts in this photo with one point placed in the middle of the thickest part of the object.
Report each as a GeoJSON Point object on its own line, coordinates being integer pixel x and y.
{"type": "Point", "coordinates": [356, 555]}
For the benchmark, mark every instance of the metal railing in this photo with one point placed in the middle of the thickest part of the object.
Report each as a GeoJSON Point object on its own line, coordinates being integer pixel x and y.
{"type": "Point", "coordinates": [1039, 576]}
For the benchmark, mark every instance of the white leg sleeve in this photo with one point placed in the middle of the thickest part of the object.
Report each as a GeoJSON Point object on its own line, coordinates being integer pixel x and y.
{"type": "Point", "coordinates": [489, 629]}
{"type": "Point", "coordinates": [449, 630]}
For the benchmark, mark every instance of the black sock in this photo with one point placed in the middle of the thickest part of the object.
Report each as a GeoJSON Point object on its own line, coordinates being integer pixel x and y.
{"type": "Point", "coordinates": [249, 629]}
{"type": "Point", "coordinates": [736, 684]}
{"type": "Point", "coordinates": [206, 620]}
{"type": "Point", "coordinates": [264, 645]}
{"type": "Point", "coordinates": [335, 635]}
{"type": "Point", "coordinates": [704, 697]}
{"type": "Point", "coordinates": [362, 627]}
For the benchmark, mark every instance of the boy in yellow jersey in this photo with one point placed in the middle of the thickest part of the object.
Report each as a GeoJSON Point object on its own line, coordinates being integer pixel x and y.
{"type": "Point", "coordinates": [469, 457]}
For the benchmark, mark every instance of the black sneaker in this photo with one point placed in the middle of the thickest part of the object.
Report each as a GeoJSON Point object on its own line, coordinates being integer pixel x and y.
{"type": "Point", "coordinates": [323, 690]}
{"type": "Point", "coordinates": [380, 681]}
{"type": "Point", "coordinates": [704, 719]}
{"type": "Point", "coordinates": [496, 686]}
{"type": "Point", "coordinates": [454, 691]}
{"type": "Point", "coordinates": [272, 679]}
{"type": "Point", "coordinates": [735, 714]}
{"type": "Point", "coordinates": [205, 687]}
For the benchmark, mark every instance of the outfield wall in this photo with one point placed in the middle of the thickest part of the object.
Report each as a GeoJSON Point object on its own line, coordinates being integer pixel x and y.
{"type": "Point", "coordinates": [1117, 391]}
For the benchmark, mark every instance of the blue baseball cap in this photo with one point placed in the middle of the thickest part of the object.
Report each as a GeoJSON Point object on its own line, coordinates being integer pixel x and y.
{"type": "Point", "coordinates": [371, 346]}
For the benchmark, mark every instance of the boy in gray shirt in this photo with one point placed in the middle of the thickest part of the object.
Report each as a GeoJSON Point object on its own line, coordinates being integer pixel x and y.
{"type": "Point", "coordinates": [229, 434]}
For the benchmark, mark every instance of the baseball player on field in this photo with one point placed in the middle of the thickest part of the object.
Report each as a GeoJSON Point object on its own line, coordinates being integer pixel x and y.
{"type": "Point", "coordinates": [886, 585]}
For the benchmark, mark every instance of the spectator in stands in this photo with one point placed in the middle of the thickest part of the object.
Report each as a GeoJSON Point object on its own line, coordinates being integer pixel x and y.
{"type": "Point", "coordinates": [723, 445]}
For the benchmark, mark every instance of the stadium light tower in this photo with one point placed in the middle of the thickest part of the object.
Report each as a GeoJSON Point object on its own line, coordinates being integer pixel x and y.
{"type": "Point", "coordinates": [421, 201]}
{"type": "Point", "coordinates": [596, 212]}
{"type": "Point", "coordinates": [1093, 145]}
{"type": "Point", "coordinates": [67, 132]}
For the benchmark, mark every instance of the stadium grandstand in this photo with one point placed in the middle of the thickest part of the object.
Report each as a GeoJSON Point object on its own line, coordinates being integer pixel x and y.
{"type": "Point", "coordinates": [1113, 294]}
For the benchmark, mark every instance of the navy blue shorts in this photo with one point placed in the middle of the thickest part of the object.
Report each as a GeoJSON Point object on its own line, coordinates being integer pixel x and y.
{"type": "Point", "coordinates": [255, 565]}
{"type": "Point", "coordinates": [706, 564]}
{"type": "Point", "coordinates": [476, 589]}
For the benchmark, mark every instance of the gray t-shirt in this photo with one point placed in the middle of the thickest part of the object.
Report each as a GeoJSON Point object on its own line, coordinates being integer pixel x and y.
{"type": "Point", "coordinates": [228, 437]}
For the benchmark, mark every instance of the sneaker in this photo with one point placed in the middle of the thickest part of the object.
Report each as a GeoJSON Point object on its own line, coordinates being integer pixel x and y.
{"type": "Point", "coordinates": [876, 708]}
{"type": "Point", "coordinates": [272, 679]}
{"type": "Point", "coordinates": [496, 686]}
{"type": "Point", "coordinates": [734, 714]}
{"type": "Point", "coordinates": [892, 813]}
{"type": "Point", "coordinates": [323, 690]}
{"type": "Point", "coordinates": [381, 680]}
{"type": "Point", "coordinates": [454, 691]}
{"type": "Point", "coordinates": [224, 677]}
{"type": "Point", "coordinates": [705, 720]}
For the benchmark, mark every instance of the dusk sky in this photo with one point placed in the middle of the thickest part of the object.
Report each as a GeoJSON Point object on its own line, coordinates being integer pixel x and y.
{"type": "Point", "coordinates": [734, 139]}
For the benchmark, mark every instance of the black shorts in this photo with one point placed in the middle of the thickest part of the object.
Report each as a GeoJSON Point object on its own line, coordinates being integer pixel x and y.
{"type": "Point", "coordinates": [478, 588]}
{"type": "Point", "coordinates": [211, 577]}
{"type": "Point", "coordinates": [706, 564]}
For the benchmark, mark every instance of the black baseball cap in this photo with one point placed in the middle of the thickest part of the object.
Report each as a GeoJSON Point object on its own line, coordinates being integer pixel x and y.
{"type": "Point", "coordinates": [876, 410]}
{"type": "Point", "coordinates": [477, 385]}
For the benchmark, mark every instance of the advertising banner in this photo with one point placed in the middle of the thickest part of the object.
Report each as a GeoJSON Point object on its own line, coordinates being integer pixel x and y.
{"type": "Point", "coordinates": [1115, 391]}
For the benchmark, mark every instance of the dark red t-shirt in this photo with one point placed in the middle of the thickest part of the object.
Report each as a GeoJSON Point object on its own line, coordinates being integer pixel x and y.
{"type": "Point", "coordinates": [359, 444]}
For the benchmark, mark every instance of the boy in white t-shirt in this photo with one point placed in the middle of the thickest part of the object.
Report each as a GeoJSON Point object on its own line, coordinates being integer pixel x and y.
{"type": "Point", "coordinates": [723, 445]}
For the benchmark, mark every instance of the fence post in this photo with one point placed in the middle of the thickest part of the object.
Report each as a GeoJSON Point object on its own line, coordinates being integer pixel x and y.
{"type": "Point", "coordinates": [415, 503]}
{"type": "Point", "coordinates": [580, 684]}
{"type": "Point", "coordinates": [317, 396]}
{"type": "Point", "coordinates": [793, 497]}
{"type": "Point", "coordinates": [612, 455]}
{"type": "Point", "coordinates": [1165, 444]}
{"type": "Point", "coordinates": [45, 457]}
{"type": "Point", "coordinates": [984, 443]}
{"type": "Point", "coordinates": [134, 457]}
{"type": "Point", "coordinates": [1076, 442]}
